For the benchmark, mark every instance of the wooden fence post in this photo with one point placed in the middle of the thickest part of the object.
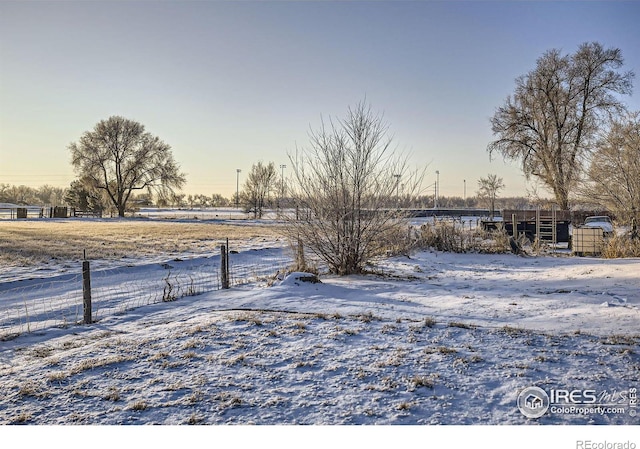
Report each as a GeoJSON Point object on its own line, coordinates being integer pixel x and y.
{"type": "Point", "coordinates": [301, 264]}
{"type": "Point", "coordinates": [86, 291]}
{"type": "Point", "coordinates": [224, 266]}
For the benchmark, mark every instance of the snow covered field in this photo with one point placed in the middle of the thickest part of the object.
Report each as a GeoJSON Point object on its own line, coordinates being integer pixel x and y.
{"type": "Point", "coordinates": [433, 338]}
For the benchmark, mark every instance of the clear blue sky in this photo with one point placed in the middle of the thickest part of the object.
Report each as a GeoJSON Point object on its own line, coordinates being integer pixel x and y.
{"type": "Point", "coordinates": [228, 84]}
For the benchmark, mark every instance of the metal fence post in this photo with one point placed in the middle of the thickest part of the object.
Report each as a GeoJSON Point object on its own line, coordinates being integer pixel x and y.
{"type": "Point", "coordinates": [86, 291]}
{"type": "Point", "coordinates": [224, 266]}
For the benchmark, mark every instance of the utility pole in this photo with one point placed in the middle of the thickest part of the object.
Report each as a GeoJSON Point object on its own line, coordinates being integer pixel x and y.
{"type": "Point", "coordinates": [437, 186]}
{"type": "Point", "coordinates": [465, 191]}
{"type": "Point", "coordinates": [282, 167]}
{"type": "Point", "coordinates": [237, 186]}
{"type": "Point", "coordinates": [397, 185]}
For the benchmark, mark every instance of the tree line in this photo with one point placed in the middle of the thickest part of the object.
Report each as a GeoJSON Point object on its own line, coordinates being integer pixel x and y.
{"type": "Point", "coordinates": [78, 196]}
{"type": "Point", "coordinates": [565, 124]}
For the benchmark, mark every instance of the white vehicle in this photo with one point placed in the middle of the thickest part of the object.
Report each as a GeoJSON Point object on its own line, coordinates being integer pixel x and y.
{"type": "Point", "coordinates": [602, 222]}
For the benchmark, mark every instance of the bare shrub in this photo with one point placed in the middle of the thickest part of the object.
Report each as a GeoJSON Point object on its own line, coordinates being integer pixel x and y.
{"type": "Point", "coordinates": [621, 246]}
{"type": "Point", "coordinates": [448, 236]}
{"type": "Point", "coordinates": [443, 235]}
{"type": "Point", "coordinates": [346, 190]}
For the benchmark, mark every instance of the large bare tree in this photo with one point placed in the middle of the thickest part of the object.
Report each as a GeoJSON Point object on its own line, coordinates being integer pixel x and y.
{"type": "Point", "coordinates": [344, 185]}
{"type": "Point", "coordinates": [260, 183]}
{"type": "Point", "coordinates": [614, 172]}
{"type": "Point", "coordinates": [553, 116]}
{"type": "Point", "coordinates": [119, 157]}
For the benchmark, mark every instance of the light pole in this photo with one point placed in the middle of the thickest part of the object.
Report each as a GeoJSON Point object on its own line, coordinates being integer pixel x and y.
{"type": "Point", "coordinates": [282, 167]}
{"type": "Point", "coordinates": [437, 186]}
{"type": "Point", "coordinates": [465, 191]}
{"type": "Point", "coordinates": [237, 186]}
{"type": "Point", "coordinates": [397, 185]}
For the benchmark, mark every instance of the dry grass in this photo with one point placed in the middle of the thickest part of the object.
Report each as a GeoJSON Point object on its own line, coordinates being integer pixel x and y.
{"type": "Point", "coordinates": [138, 406]}
{"type": "Point", "coordinates": [621, 246]}
{"type": "Point", "coordinates": [449, 236]}
{"type": "Point", "coordinates": [98, 362]}
{"type": "Point", "coordinates": [26, 243]}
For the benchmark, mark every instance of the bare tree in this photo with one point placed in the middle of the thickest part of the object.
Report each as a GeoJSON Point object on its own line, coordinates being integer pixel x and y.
{"type": "Point", "coordinates": [488, 189]}
{"type": "Point", "coordinates": [260, 183]}
{"type": "Point", "coordinates": [555, 112]}
{"type": "Point", "coordinates": [21, 195]}
{"type": "Point", "coordinates": [342, 187]}
{"type": "Point", "coordinates": [614, 172]}
{"type": "Point", "coordinates": [119, 157]}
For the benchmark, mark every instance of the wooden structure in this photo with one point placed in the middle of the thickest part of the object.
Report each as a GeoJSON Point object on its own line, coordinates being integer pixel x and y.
{"type": "Point", "coordinates": [550, 226]}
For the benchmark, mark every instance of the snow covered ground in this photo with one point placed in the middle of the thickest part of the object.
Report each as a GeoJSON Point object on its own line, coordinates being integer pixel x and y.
{"type": "Point", "coordinates": [434, 338]}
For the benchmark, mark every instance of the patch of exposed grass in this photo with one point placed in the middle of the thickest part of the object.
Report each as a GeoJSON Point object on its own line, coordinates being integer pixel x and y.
{"type": "Point", "coordinates": [33, 389]}
{"type": "Point", "coordinates": [41, 351]}
{"type": "Point", "coordinates": [58, 376]}
{"type": "Point", "coordinates": [404, 406]}
{"type": "Point", "coordinates": [429, 322]}
{"type": "Point", "coordinates": [195, 419]}
{"type": "Point", "coordinates": [160, 355]}
{"type": "Point", "coordinates": [421, 381]}
{"type": "Point", "coordinates": [239, 359]}
{"type": "Point", "coordinates": [513, 331]}
{"type": "Point", "coordinates": [367, 317]}
{"type": "Point", "coordinates": [98, 362]}
{"type": "Point", "coordinates": [619, 340]}
{"type": "Point", "coordinates": [461, 325]}
{"type": "Point", "coordinates": [440, 350]}
{"type": "Point", "coordinates": [388, 329]}
{"type": "Point", "coordinates": [191, 344]}
{"type": "Point", "coordinates": [248, 317]}
{"type": "Point", "coordinates": [30, 243]}
{"type": "Point", "coordinates": [189, 355]}
{"type": "Point", "coordinates": [22, 418]}
{"type": "Point", "coordinates": [112, 395]}
{"type": "Point", "coordinates": [139, 406]}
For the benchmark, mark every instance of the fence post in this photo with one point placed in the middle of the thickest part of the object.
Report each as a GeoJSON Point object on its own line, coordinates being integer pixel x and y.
{"type": "Point", "coordinates": [224, 266]}
{"type": "Point", "coordinates": [86, 291]}
{"type": "Point", "coordinates": [301, 264]}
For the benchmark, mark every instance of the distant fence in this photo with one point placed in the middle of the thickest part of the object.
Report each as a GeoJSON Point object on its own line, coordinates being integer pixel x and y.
{"type": "Point", "coordinates": [59, 301]}
{"type": "Point", "coordinates": [24, 212]}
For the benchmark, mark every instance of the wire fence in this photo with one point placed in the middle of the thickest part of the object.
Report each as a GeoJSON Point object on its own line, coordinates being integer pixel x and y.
{"type": "Point", "coordinates": [38, 304]}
